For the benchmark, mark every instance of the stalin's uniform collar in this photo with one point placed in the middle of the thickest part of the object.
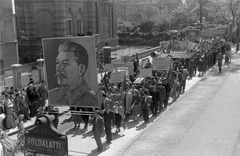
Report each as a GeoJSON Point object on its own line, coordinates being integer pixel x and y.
{"type": "Point", "coordinates": [72, 95]}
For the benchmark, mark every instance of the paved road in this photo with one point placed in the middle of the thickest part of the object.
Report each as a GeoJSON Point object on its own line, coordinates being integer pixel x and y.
{"type": "Point", "coordinates": [204, 122]}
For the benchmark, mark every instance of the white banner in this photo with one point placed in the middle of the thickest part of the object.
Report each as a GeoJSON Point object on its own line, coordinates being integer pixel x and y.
{"type": "Point", "coordinates": [109, 67]}
{"type": "Point", "coordinates": [129, 65]}
{"type": "Point", "coordinates": [161, 64]}
{"type": "Point", "coordinates": [126, 59]}
{"type": "Point", "coordinates": [117, 77]}
{"type": "Point", "coordinates": [126, 71]}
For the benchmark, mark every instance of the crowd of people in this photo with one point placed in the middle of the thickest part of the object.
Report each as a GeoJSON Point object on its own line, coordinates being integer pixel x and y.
{"type": "Point", "coordinates": [26, 101]}
{"type": "Point", "coordinates": [128, 100]}
{"type": "Point", "coordinates": [117, 103]}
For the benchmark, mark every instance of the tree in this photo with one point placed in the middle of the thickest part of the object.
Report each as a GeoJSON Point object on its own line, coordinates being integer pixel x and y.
{"type": "Point", "coordinates": [233, 7]}
{"type": "Point", "coordinates": [146, 27]}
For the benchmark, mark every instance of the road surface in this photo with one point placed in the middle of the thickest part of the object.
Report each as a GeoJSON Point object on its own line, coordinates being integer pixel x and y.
{"type": "Point", "coordinates": [204, 122]}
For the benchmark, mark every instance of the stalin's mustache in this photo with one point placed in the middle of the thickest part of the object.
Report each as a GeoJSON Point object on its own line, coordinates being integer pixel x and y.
{"type": "Point", "coordinates": [62, 75]}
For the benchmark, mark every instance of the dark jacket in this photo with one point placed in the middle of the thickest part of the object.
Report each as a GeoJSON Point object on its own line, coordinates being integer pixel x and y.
{"type": "Point", "coordinates": [98, 125]}
{"type": "Point", "coordinates": [155, 96]}
{"type": "Point", "coordinates": [108, 118]}
{"type": "Point", "coordinates": [162, 93]}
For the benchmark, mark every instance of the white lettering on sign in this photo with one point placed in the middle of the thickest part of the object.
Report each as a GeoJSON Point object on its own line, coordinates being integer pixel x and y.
{"type": "Point", "coordinates": [44, 143]}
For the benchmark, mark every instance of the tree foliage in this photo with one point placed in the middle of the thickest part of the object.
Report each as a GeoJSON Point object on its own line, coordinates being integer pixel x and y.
{"type": "Point", "coordinates": [154, 15]}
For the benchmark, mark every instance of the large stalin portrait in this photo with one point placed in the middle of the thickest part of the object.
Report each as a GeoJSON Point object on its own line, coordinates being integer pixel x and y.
{"type": "Point", "coordinates": [71, 64]}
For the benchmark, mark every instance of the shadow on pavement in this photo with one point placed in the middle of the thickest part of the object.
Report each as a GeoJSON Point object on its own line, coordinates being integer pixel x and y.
{"type": "Point", "coordinates": [88, 134]}
{"type": "Point", "coordinates": [231, 68]}
{"type": "Point", "coordinates": [131, 124]}
{"type": "Point", "coordinates": [105, 145]}
{"type": "Point", "coordinates": [74, 132]}
{"type": "Point", "coordinates": [95, 152]}
{"type": "Point", "coordinates": [66, 120]}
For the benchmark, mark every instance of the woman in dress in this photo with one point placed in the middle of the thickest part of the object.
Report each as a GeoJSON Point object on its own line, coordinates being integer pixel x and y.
{"type": "Point", "coordinates": [10, 117]}
{"type": "Point", "coordinates": [135, 103]}
{"type": "Point", "coordinates": [117, 96]}
{"type": "Point", "coordinates": [119, 115]}
{"type": "Point", "coordinates": [173, 92]}
{"type": "Point", "coordinates": [127, 102]}
{"type": "Point", "coordinates": [77, 119]}
{"type": "Point", "coordinates": [8, 146]}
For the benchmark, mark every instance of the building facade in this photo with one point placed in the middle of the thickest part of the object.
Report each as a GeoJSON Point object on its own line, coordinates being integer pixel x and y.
{"type": "Point", "coordinates": [37, 19]}
{"type": "Point", "coordinates": [8, 42]}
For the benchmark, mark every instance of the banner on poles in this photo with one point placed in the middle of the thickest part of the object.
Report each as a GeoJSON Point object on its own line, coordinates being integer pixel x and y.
{"type": "Point", "coordinates": [126, 71]}
{"type": "Point", "coordinates": [192, 35]}
{"type": "Point", "coordinates": [109, 67]}
{"type": "Point", "coordinates": [117, 77]}
{"type": "Point", "coordinates": [176, 55]}
{"type": "Point", "coordinates": [126, 59]}
{"type": "Point", "coordinates": [181, 46]}
{"type": "Point", "coordinates": [161, 64]}
{"type": "Point", "coordinates": [213, 32]}
{"type": "Point", "coordinates": [129, 65]}
{"type": "Point", "coordinates": [145, 72]}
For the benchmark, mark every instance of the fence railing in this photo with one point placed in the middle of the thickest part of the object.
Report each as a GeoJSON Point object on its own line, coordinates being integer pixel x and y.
{"type": "Point", "coordinates": [28, 71]}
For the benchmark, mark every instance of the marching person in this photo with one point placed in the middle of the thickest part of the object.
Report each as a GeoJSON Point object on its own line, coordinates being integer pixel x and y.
{"type": "Point", "coordinates": [98, 129]}
{"type": "Point", "coordinates": [162, 96]}
{"type": "Point", "coordinates": [135, 104]}
{"type": "Point", "coordinates": [109, 120]}
{"type": "Point", "coordinates": [119, 115]}
{"type": "Point", "coordinates": [180, 79]}
{"type": "Point", "coordinates": [184, 78]}
{"type": "Point", "coordinates": [42, 94]}
{"type": "Point", "coordinates": [167, 87]}
{"type": "Point", "coordinates": [155, 100]}
{"type": "Point", "coordinates": [219, 61]}
{"type": "Point", "coordinates": [33, 99]}
{"type": "Point", "coordinates": [145, 103]}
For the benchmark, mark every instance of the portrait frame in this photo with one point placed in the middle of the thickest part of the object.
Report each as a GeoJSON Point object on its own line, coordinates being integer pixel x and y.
{"type": "Point", "coordinates": [59, 95]}
{"type": "Point", "coordinates": [192, 35]}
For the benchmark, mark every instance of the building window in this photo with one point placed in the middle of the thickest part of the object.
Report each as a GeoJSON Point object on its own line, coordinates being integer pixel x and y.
{"type": "Point", "coordinates": [105, 25]}
{"type": "Point", "coordinates": [79, 26]}
{"type": "Point", "coordinates": [69, 27]}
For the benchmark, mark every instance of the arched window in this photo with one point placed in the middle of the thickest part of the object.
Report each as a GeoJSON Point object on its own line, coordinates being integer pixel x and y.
{"type": "Point", "coordinates": [44, 25]}
{"type": "Point", "coordinates": [79, 19]}
{"type": "Point", "coordinates": [105, 22]}
{"type": "Point", "coordinates": [69, 22]}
